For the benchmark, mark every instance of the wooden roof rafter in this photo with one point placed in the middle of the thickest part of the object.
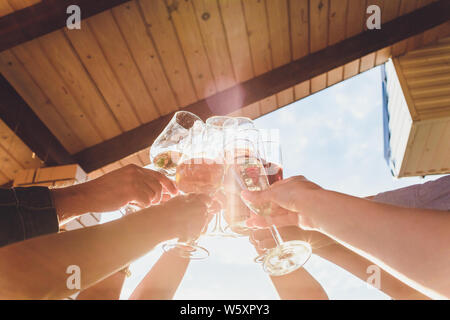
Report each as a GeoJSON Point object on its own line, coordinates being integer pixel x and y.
{"type": "Point", "coordinates": [19, 117]}
{"type": "Point", "coordinates": [44, 17]}
{"type": "Point", "coordinates": [144, 26]}
{"type": "Point", "coordinates": [274, 81]}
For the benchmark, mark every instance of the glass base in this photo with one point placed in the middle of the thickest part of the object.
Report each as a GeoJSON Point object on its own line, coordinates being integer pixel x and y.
{"type": "Point", "coordinates": [287, 257]}
{"type": "Point", "coordinates": [221, 234]}
{"type": "Point", "coordinates": [186, 250]}
{"type": "Point", "coordinates": [260, 258]}
{"type": "Point", "coordinates": [129, 208]}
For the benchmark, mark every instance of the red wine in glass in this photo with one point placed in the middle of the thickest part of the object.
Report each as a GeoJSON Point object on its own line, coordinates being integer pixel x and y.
{"type": "Point", "coordinates": [274, 172]}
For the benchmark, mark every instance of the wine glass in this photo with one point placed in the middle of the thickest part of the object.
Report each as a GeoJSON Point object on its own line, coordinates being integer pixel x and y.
{"type": "Point", "coordinates": [216, 130]}
{"type": "Point", "coordinates": [200, 171]}
{"type": "Point", "coordinates": [239, 123]}
{"type": "Point", "coordinates": [235, 214]}
{"type": "Point", "coordinates": [271, 157]}
{"type": "Point", "coordinates": [251, 174]}
{"type": "Point", "coordinates": [166, 150]}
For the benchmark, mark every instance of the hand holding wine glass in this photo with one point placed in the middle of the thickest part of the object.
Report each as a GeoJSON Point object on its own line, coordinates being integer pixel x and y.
{"type": "Point", "coordinates": [262, 239]}
{"type": "Point", "coordinates": [128, 184]}
{"type": "Point", "coordinates": [166, 151]}
{"type": "Point", "coordinates": [294, 194]}
{"type": "Point", "coordinates": [279, 217]}
{"type": "Point", "coordinates": [253, 173]}
{"type": "Point", "coordinates": [187, 215]}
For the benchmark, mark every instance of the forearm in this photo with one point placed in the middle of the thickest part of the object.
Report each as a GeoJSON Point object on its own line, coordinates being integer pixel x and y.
{"type": "Point", "coordinates": [411, 244]}
{"type": "Point", "coordinates": [107, 289]}
{"type": "Point", "coordinates": [162, 281]}
{"type": "Point", "coordinates": [358, 266]}
{"type": "Point", "coordinates": [36, 269]}
{"type": "Point", "coordinates": [299, 285]}
{"type": "Point", "coordinates": [73, 201]}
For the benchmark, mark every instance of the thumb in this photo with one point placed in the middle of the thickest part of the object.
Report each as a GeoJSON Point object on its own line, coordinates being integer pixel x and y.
{"type": "Point", "coordinates": [278, 194]}
{"type": "Point", "coordinates": [256, 196]}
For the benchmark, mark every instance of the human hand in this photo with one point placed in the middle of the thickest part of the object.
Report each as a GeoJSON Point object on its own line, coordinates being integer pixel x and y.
{"type": "Point", "coordinates": [187, 215]}
{"type": "Point", "coordinates": [114, 190]}
{"type": "Point", "coordinates": [290, 197]}
{"type": "Point", "coordinates": [262, 239]}
{"type": "Point", "coordinates": [279, 217]}
{"type": "Point", "coordinates": [238, 213]}
{"type": "Point", "coordinates": [132, 184]}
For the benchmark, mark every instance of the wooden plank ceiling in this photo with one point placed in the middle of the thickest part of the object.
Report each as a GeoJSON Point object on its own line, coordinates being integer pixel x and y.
{"type": "Point", "coordinates": [145, 59]}
{"type": "Point", "coordinates": [9, 6]}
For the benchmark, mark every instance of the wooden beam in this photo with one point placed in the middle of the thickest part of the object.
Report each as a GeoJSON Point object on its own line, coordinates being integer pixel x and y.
{"type": "Point", "coordinates": [19, 117]}
{"type": "Point", "coordinates": [274, 81]}
{"type": "Point", "coordinates": [45, 17]}
{"type": "Point", "coordinates": [130, 142]}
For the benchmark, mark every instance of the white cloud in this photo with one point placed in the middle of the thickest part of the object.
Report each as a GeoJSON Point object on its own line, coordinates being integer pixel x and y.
{"type": "Point", "coordinates": [358, 105]}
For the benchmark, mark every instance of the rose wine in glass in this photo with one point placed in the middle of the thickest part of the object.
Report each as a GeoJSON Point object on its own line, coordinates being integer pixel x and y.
{"type": "Point", "coordinates": [200, 170]}
{"type": "Point", "coordinates": [216, 131]}
{"type": "Point", "coordinates": [199, 176]}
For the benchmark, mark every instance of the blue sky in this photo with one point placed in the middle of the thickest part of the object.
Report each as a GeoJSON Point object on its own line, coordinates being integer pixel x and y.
{"type": "Point", "coordinates": [335, 139]}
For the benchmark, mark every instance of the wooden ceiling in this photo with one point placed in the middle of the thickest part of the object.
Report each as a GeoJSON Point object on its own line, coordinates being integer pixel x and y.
{"type": "Point", "coordinates": [9, 6]}
{"type": "Point", "coordinates": [140, 61]}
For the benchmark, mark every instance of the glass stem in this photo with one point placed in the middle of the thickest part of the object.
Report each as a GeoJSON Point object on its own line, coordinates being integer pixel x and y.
{"type": "Point", "coordinates": [276, 235]}
{"type": "Point", "coordinates": [219, 221]}
{"type": "Point", "coordinates": [217, 224]}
